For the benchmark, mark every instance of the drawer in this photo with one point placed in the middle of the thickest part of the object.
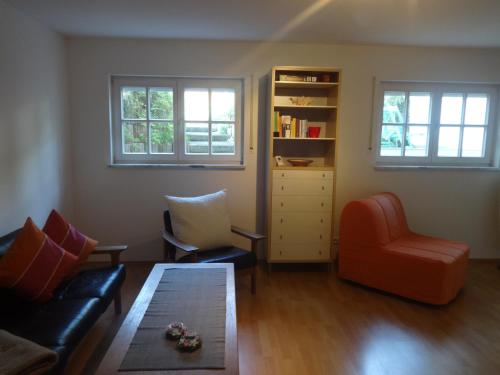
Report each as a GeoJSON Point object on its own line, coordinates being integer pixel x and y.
{"type": "Point", "coordinates": [306, 175]}
{"type": "Point", "coordinates": [301, 204]}
{"type": "Point", "coordinates": [283, 252]}
{"type": "Point", "coordinates": [300, 234]}
{"type": "Point", "coordinates": [294, 220]}
{"type": "Point", "coordinates": [293, 186]}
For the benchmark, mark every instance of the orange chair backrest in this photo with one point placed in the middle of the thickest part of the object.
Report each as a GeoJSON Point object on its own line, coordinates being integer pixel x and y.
{"type": "Point", "coordinates": [372, 222]}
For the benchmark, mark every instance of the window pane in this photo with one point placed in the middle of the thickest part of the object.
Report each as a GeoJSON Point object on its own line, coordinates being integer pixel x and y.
{"type": "Point", "coordinates": [416, 141]}
{"type": "Point", "coordinates": [133, 103]}
{"type": "Point", "coordinates": [196, 105]}
{"type": "Point", "coordinates": [473, 141]}
{"type": "Point", "coordinates": [196, 138]}
{"type": "Point", "coordinates": [419, 107]}
{"type": "Point", "coordinates": [449, 138]}
{"type": "Point", "coordinates": [162, 137]}
{"type": "Point", "coordinates": [134, 137]}
{"type": "Point", "coordinates": [223, 139]}
{"type": "Point", "coordinates": [223, 105]}
{"type": "Point", "coordinates": [394, 107]}
{"type": "Point", "coordinates": [475, 109]}
{"type": "Point", "coordinates": [391, 141]}
{"type": "Point", "coordinates": [451, 109]}
{"type": "Point", "coordinates": [161, 103]}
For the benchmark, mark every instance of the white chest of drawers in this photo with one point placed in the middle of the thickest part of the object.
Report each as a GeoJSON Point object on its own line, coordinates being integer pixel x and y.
{"type": "Point", "coordinates": [301, 216]}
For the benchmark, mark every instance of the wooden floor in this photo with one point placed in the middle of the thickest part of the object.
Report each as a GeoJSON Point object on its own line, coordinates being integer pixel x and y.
{"type": "Point", "coordinates": [309, 322]}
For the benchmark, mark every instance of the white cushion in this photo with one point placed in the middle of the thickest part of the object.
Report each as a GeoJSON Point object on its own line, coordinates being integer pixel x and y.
{"type": "Point", "coordinates": [201, 221]}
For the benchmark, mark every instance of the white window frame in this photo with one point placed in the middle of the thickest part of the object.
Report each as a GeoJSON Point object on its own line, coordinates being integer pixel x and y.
{"type": "Point", "coordinates": [436, 90]}
{"type": "Point", "coordinates": [179, 157]}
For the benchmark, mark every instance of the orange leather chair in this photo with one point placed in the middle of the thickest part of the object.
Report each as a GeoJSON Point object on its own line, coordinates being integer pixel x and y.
{"type": "Point", "coordinates": [378, 249]}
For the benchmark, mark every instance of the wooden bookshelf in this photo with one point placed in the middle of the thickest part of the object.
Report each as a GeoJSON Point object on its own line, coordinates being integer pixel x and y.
{"type": "Point", "coordinates": [298, 197]}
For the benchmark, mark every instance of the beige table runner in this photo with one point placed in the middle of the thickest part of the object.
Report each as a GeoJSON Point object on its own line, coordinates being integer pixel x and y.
{"type": "Point", "coordinates": [196, 297]}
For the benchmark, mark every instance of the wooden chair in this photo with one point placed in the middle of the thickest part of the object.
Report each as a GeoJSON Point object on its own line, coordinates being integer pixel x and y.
{"type": "Point", "coordinates": [244, 261]}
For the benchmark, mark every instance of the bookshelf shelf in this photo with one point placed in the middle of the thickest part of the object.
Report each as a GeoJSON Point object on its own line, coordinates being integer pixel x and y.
{"type": "Point", "coordinates": [303, 102]}
{"type": "Point", "coordinates": [305, 85]}
{"type": "Point", "coordinates": [303, 139]}
{"type": "Point", "coordinates": [306, 106]}
{"type": "Point", "coordinates": [310, 168]}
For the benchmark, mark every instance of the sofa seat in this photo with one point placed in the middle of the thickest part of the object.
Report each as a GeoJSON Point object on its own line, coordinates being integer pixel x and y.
{"type": "Point", "coordinates": [239, 257]}
{"type": "Point", "coordinates": [93, 283]}
{"type": "Point", "coordinates": [377, 249]}
{"type": "Point", "coordinates": [56, 323]}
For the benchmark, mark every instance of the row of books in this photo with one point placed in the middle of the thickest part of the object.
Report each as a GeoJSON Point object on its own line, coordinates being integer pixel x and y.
{"type": "Point", "coordinates": [286, 126]}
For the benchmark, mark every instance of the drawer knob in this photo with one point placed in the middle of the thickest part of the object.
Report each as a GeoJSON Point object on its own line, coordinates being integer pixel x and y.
{"type": "Point", "coordinates": [322, 188]}
{"type": "Point", "coordinates": [281, 253]}
{"type": "Point", "coordinates": [324, 175]}
{"type": "Point", "coordinates": [320, 236]}
{"type": "Point", "coordinates": [281, 220]}
{"type": "Point", "coordinates": [282, 175]}
{"type": "Point", "coordinates": [321, 221]}
{"type": "Point", "coordinates": [320, 252]}
{"type": "Point", "coordinates": [282, 204]}
{"type": "Point", "coordinates": [281, 236]}
{"type": "Point", "coordinates": [322, 204]}
{"type": "Point", "coordinates": [282, 187]}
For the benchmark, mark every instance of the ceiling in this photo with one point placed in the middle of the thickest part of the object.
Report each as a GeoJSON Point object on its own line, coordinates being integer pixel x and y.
{"type": "Point", "coordinates": [468, 23]}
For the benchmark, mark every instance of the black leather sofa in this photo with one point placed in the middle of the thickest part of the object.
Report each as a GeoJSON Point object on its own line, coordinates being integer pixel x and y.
{"type": "Point", "coordinates": [63, 322]}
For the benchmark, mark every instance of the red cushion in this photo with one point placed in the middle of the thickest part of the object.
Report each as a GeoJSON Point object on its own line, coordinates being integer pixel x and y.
{"type": "Point", "coordinates": [66, 235]}
{"type": "Point", "coordinates": [34, 265]}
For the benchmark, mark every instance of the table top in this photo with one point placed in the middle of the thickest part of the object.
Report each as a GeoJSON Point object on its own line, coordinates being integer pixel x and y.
{"type": "Point", "coordinates": [116, 352]}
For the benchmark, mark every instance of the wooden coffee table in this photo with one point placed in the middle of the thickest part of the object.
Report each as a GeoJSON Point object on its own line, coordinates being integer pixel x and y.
{"type": "Point", "coordinates": [116, 352]}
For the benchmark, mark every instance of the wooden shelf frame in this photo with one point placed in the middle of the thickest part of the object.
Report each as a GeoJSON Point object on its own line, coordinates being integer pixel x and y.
{"type": "Point", "coordinates": [324, 112]}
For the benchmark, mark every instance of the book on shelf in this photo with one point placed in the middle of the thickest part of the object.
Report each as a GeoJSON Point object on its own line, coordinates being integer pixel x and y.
{"type": "Point", "coordinates": [286, 126]}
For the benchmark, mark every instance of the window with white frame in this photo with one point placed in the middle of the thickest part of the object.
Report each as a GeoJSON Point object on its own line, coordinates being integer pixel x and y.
{"type": "Point", "coordinates": [165, 120]}
{"type": "Point", "coordinates": [435, 124]}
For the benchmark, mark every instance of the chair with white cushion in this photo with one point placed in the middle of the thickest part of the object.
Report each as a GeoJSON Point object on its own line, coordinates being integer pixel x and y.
{"type": "Point", "coordinates": [200, 228]}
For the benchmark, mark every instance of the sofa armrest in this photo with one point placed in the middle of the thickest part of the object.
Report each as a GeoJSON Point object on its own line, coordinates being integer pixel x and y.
{"type": "Point", "coordinates": [113, 251]}
{"type": "Point", "coordinates": [175, 242]}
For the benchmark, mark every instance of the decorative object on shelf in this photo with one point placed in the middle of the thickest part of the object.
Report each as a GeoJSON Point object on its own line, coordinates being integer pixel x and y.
{"type": "Point", "coordinates": [300, 100]}
{"type": "Point", "coordinates": [175, 330]}
{"type": "Point", "coordinates": [297, 78]}
{"type": "Point", "coordinates": [299, 162]}
{"type": "Point", "coordinates": [325, 78]}
{"type": "Point", "coordinates": [189, 342]}
{"type": "Point", "coordinates": [314, 131]}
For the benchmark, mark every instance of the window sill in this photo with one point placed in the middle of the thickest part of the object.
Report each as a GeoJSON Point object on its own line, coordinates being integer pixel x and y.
{"type": "Point", "coordinates": [434, 168]}
{"type": "Point", "coordinates": [179, 166]}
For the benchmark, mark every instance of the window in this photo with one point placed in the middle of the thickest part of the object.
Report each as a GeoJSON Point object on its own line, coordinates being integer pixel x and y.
{"type": "Point", "coordinates": [435, 124]}
{"type": "Point", "coordinates": [176, 120]}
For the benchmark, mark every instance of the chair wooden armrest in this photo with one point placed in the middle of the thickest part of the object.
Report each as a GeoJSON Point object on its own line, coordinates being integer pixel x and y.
{"type": "Point", "coordinates": [181, 245]}
{"type": "Point", "coordinates": [254, 237]}
{"type": "Point", "coordinates": [247, 234]}
{"type": "Point", "coordinates": [113, 251]}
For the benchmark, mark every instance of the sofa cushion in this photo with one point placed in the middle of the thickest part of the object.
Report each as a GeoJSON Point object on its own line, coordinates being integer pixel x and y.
{"type": "Point", "coordinates": [56, 323]}
{"type": "Point", "coordinates": [93, 283]}
{"type": "Point", "coordinates": [34, 265]}
{"type": "Point", "coordinates": [239, 257]}
{"type": "Point", "coordinates": [67, 236]}
{"type": "Point", "coordinates": [7, 241]}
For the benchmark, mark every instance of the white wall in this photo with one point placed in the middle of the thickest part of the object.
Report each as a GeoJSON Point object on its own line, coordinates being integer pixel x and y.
{"type": "Point", "coordinates": [34, 131]}
{"type": "Point", "coordinates": [125, 205]}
